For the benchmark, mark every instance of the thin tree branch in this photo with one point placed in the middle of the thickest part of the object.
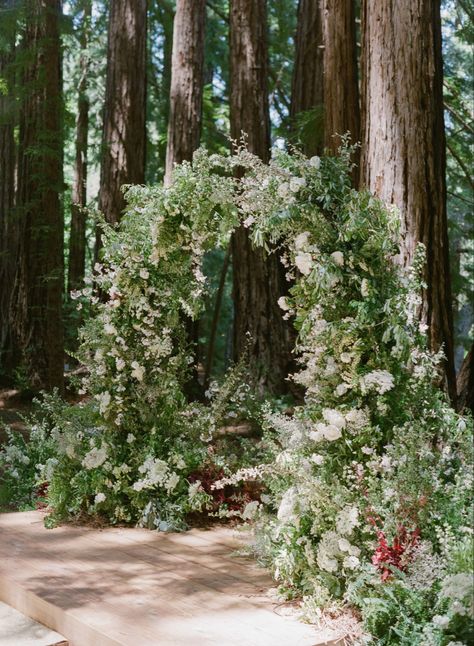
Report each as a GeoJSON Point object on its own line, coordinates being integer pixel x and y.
{"type": "Point", "coordinates": [458, 118]}
{"type": "Point", "coordinates": [218, 12]}
{"type": "Point", "coordinates": [461, 164]}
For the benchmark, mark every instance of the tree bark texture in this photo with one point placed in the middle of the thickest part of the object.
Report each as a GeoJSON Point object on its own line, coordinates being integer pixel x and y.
{"type": "Point", "coordinates": [187, 82]}
{"type": "Point", "coordinates": [403, 143]}
{"type": "Point", "coordinates": [8, 223]}
{"type": "Point", "coordinates": [258, 281]}
{"type": "Point", "coordinates": [124, 142]}
{"type": "Point", "coordinates": [341, 86]}
{"type": "Point", "coordinates": [465, 383]}
{"type": "Point", "coordinates": [307, 89]}
{"type": "Point", "coordinates": [77, 236]}
{"type": "Point", "coordinates": [37, 298]}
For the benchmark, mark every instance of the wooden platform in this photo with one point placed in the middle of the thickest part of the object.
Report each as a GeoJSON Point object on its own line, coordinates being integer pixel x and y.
{"type": "Point", "coordinates": [135, 587]}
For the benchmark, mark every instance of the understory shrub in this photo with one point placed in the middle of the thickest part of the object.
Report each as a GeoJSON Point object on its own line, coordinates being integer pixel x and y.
{"type": "Point", "coordinates": [362, 494]}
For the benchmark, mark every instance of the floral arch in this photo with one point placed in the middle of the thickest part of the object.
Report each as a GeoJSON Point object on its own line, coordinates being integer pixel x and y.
{"type": "Point", "coordinates": [356, 476]}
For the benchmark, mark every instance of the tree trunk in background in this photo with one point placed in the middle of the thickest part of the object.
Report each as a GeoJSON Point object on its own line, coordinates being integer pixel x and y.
{"type": "Point", "coordinates": [307, 91]}
{"type": "Point", "coordinates": [124, 141]}
{"type": "Point", "coordinates": [187, 81]}
{"type": "Point", "coordinates": [465, 383]}
{"type": "Point", "coordinates": [259, 329]}
{"type": "Point", "coordinates": [8, 223]}
{"type": "Point", "coordinates": [403, 144]}
{"type": "Point", "coordinates": [77, 236]}
{"type": "Point", "coordinates": [37, 298]}
{"type": "Point", "coordinates": [341, 85]}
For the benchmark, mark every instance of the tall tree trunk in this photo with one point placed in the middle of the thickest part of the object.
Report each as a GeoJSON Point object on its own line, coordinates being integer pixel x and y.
{"type": "Point", "coordinates": [341, 86]}
{"type": "Point", "coordinates": [187, 81]}
{"type": "Point", "coordinates": [8, 224]}
{"type": "Point", "coordinates": [77, 236]}
{"type": "Point", "coordinates": [124, 141]}
{"type": "Point", "coordinates": [403, 143]}
{"type": "Point", "coordinates": [37, 299]}
{"type": "Point", "coordinates": [465, 383]}
{"type": "Point", "coordinates": [307, 89]}
{"type": "Point", "coordinates": [259, 329]}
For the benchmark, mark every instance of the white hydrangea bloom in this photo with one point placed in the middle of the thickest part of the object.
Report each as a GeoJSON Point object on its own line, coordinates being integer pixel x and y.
{"type": "Point", "coordinates": [138, 371]}
{"type": "Point", "coordinates": [282, 304]}
{"type": "Point", "coordinates": [304, 263]}
{"type": "Point", "coordinates": [334, 417]}
{"type": "Point", "coordinates": [144, 273]}
{"type": "Point", "coordinates": [315, 161]}
{"type": "Point", "coordinates": [95, 458]}
{"type": "Point", "coordinates": [99, 497]}
{"type": "Point", "coordinates": [338, 258]}
{"type": "Point", "coordinates": [287, 509]}
{"type": "Point", "coordinates": [296, 183]}
{"type": "Point", "coordinates": [301, 240]}
{"type": "Point", "coordinates": [104, 400]}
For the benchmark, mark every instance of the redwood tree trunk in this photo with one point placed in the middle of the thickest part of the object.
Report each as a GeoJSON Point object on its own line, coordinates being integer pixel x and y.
{"type": "Point", "coordinates": [187, 81]}
{"type": "Point", "coordinates": [259, 329]}
{"type": "Point", "coordinates": [403, 143]}
{"type": "Point", "coordinates": [8, 227]}
{"type": "Point", "coordinates": [341, 87]}
{"type": "Point", "coordinates": [77, 238]}
{"type": "Point", "coordinates": [465, 383]}
{"type": "Point", "coordinates": [37, 299]}
{"type": "Point", "coordinates": [307, 90]}
{"type": "Point", "coordinates": [124, 142]}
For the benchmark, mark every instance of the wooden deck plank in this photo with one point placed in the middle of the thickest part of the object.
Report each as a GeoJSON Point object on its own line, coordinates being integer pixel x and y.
{"type": "Point", "coordinates": [135, 587]}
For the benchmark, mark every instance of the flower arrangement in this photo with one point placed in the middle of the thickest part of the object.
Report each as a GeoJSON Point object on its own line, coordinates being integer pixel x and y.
{"type": "Point", "coordinates": [361, 495]}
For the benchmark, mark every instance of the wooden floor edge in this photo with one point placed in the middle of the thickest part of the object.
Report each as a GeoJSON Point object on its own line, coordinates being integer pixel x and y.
{"type": "Point", "coordinates": [76, 632]}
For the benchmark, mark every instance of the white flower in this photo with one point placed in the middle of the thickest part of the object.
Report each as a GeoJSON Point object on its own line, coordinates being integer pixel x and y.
{"type": "Point", "coordinates": [351, 562]}
{"type": "Point", "coordinates": [457, 586]}
{"type": "Point", "coordinates": [144, 273]}
{"type": "Point", "coordinates": [332, 433]}
{"type": "Point", "coordinates": [341, 389]}
{"type": "Point", "coordinates": [249, 221]}
{"type": "Point", "coordinates": [334, 417]}
{"type": "Point", "coordinates": [338, 258]}
{"type": "Point", "coordinates": [441, 621]}
{"type": "Point", "coordinates": [346, 357]}
{"type": "Point", "coordinates": [317, 459]}
{"type": "Point", "coordinates": [110, 329]}
{"type": "Point", "coordinates": [304, 262]}
{"type": "Point", "coordinates": [138, 371]}
{"type": "Point", "coordinates": [344, 545]}
{"type": "Point", "coordinates": [172, 482]}
{"type": "Point", "coordinates": [315, 162]}
{"type": "Point", "coordinates": [296, 183]}
{"type": "Point", "coordinates": [283, 189]}
{"type": "Point", "coordinates": [364, 288]}
{"type": "Point", "coordinates": [250, 510]}
{"type": "Point", "coordinates": [379, 380]}
{"type": "Point", "coordinates": [120, 363]}
{"type": "Point", "coordinates": [286, 510]}
{"type": "Point", "coordinates": [99, 497]}
{"type": "Point", "coordinates": [94, 458]}
{"type": "Point", "coordinates": [301, 240]}
{"type": "Point", "coordinates": [283, 304]}
{"type": "Point", "coordinates": [347, 519]}
{"type": "Point", "coordinates": [130, 438]}
{"type": "Point", "coordinates": [356, 419]}
{"type": "Point", "coordinates": [104, 401]}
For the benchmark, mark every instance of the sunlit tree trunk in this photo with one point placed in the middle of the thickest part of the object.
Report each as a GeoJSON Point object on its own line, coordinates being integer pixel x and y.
{"type": "Point", "coordinates": [124, 142]}
{"type": "Point", "coordinates": [259, 330]}
{"type": "Point", "coordinates": [187, 81]}
{"type": "Point", "coordinates": [403, 143]}
{"type": "Point", "coordinates": [307, 90]}
{"type": "Point", "coordinates": [77, 235]}
{"type": "Point", "coordinates": [37, 299]}
{"type": "Point", "coordinates": [341, 86]}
